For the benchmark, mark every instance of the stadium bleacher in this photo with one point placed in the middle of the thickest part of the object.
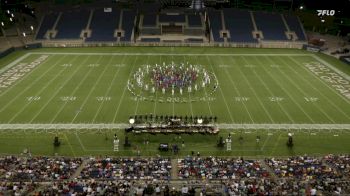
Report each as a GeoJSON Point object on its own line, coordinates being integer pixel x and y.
{"type": "Point", "coordinates": [215, 25]}
{"type": "Point", "coordinates": [296, 26]}
{"type": "Point", "coordinates": [271, 25]}
{"type": "Point", "coordinates": [150, 39]}
{"type": "Point", "coordinates": [103, 25]}
{"type": "Point", "coordinates": [240, 25]}
{"type": "Point", "coordinates": [128, 23]}
{"type": "Point", "coordinates": [194, 20]}
{"type": "Point", "coordinates": [71, 24]}
{"type": "Point", "coordinates": [47, 24]}
{"type": "Point", "coordinates": [172, 18]}
{"type": "Point", "coordinates": [149, 20]}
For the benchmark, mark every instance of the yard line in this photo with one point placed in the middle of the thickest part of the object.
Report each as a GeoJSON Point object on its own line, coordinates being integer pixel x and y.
{"type": "Point", "coordinates": [268, 89]}
{"type": "Point", "coordinates": [122, 97]}
{"type": "Point", "coordinates": [235, 126]}
{"type": "Point", "coordinates": [93, 88]}
{"type": "Point", "coordinates": [285, 112]}
{"type": "Point", "coordinates": [38, 93]}
{"type": "Point", "coordinates": [75, 89]}
{"type": "Point", "coordinates": [138, 100]}
{"type": "Point", "coordinates": [239, 94]}
{"type": "Point", "coordinates": [287, 92]}
{"type": "Point", "coordinates": [206, 94]}
{"type": "Point", "coordinates": [222, 94]}
{"type": "Point", "coordinates": [256, 96]}
{"type": "Point", "coordinates": [323, 82]}
{"type": "Point", "coordinates": [167, 54]}
{"type": "Point", "coordinates": [54, 95]}
{"type": "Point", "coordinates": [155, 102]}
{"type": "Point", "coordinates": [27, 87]}
{"type": "Point", "coordinates": [320, 92]}
{"type": "Point", "coordinates": [108, 91]}
{"type": "Point", "coordinates": [303, 92]}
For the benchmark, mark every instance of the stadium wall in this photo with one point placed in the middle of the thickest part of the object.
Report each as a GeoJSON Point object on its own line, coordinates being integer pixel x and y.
{"type": "Point", "coordinates": [12, 49]}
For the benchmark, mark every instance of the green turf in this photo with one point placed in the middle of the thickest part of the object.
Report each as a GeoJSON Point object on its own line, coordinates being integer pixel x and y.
{"type": "Point", "coordinates": [253, 89]}
{"type": "Point", "coordinates": [99, 143]}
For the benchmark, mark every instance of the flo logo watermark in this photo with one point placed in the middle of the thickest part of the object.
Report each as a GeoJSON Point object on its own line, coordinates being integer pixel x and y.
{"type": "Point", "coordinates": [325, 12]}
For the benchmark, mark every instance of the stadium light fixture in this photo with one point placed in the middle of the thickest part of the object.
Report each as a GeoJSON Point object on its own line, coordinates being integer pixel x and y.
{"type": "Point", "coordinates": [11, 19]}
{"type": "Point", "coordinates": [301, 7]}
{"type": "Point", "coordinates": [32, 28]}
{"type": "Point", "coordinates": [8, 11]}
{"type": "Point", "coordinates": [24, 34]}
{"type": "Point", "coordinates": [12, 15]}
{"type": "Point", "coordinates": [323, 21]}
{"type": "Point", "coordinates": [2, 24]}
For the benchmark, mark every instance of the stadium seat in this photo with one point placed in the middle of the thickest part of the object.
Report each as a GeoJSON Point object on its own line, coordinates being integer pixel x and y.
{"type": "Point", "coordinates": [271, 25]}
{"type": "Point", "coordinates": [71, 24]}
{"type": "Point", "coordinates": [103, 25]}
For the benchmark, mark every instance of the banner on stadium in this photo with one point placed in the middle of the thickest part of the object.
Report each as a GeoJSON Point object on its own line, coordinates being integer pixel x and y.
{"type": "Point", "coordinates": [311, 48]}
{"type": "Point", "coordinates": [345, 59]}
{"type": "Point", "coordinates": [107, 9]}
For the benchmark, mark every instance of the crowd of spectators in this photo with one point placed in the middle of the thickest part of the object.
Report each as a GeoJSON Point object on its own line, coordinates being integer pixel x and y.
{"type": "Point", "coordinates": [17, 188]}
{"type": "Point", "coordinates": [86, 187]}
{"type": "Point", "coordinates": [38, 168]}
{"type": "Point", "coordinates": [127, 169]}
{"type": "Point", "coordinates": [220, 168]}
{"type": "Point", "coordinates": [340, 162]}
{"type": "Point", "coordinates": [299, 175]}
{"type": "Point", "coordinates": [302, 168]}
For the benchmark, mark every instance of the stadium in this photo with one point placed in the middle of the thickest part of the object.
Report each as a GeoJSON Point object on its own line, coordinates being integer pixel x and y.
{"type": "Point", "coordinates": [174, 97]}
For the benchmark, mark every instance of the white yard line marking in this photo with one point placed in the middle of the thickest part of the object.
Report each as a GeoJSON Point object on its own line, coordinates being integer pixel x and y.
{"type": "Point", "coordinates": [122, 97]}
{"type": "Point", "coordinates": [205, 91]}
{"type": "Point", "coordinates": [156, 100]}
{"type": "Point", "coordinates": [108, 90]}
{"type": "Point", "coordinates": [249, 126]}
{"type": "Point", "coordinates": [93, 88]}
{"type": "Point", "coordinates": [323, 82]}
{"type": "Point", "coordinates": [40, 92]}
{"type": "Point", "coordinates": [138, 100]}
{"type": "Point", "coordinates": [239, 94]}
{"type": "Point", "coordinates": [256, 96]}
{"type": "Point", "coordinates": [222, 94]}
{"type": "Point", "coordinates": [320, 92]}
{"type": "Point", "coordinates": [268, 89]}
{"type": "Point", "coordinates": [27, 87]}
{"type": "Point", "coordinates": [302, 91]}
{"type": "Point", "coordinates": [75, 89]}
{"type": "Point", "coordinates": [54, 95]}
{"type": "Point", "coordinates": [287, 92]}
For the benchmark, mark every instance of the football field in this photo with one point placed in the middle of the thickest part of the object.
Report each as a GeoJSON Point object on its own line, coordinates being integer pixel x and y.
{"type": "Point", "coordinates": [82, 89]}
